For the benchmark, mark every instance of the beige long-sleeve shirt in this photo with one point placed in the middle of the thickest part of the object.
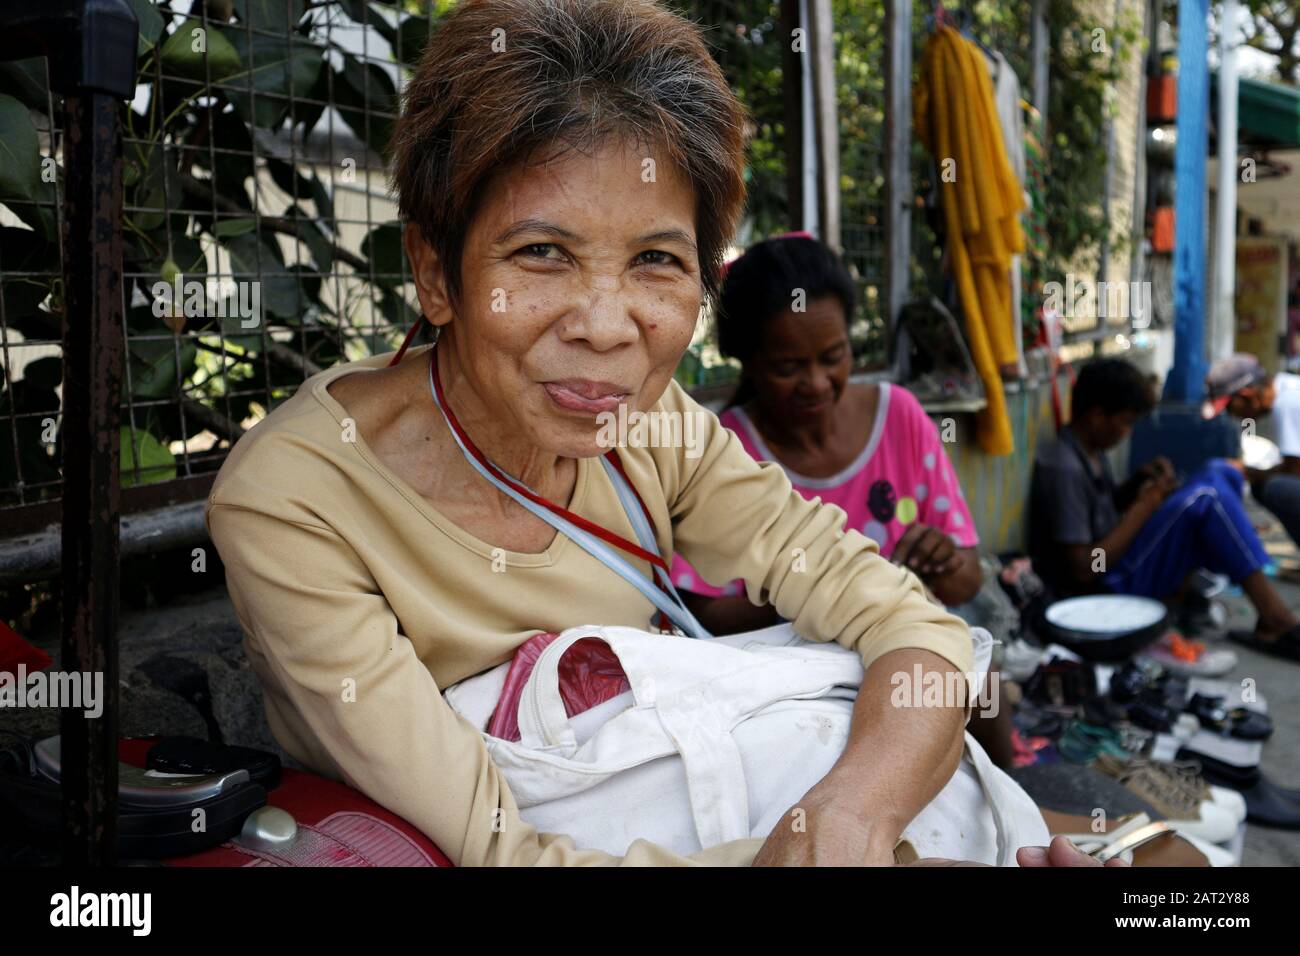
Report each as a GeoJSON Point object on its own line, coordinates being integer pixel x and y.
{"type": "Point", "coordinates": [359, 601]}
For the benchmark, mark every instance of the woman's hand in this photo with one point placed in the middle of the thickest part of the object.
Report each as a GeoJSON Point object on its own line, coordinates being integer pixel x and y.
{"type": "Point", "coordinates": [826, 829]}
{"type": "Point", "coordinates": [927, 552]}
{"type": "Point", "coordinates": [1061, 853]}
{"type": "Point", "coordinates": [952, 574]}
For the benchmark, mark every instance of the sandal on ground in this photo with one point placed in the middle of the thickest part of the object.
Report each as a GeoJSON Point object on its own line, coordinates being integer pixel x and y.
{"type": "Point", "coordinates": [1137, 831]}
{"type": "Point", "coordinates": [1286, 645]}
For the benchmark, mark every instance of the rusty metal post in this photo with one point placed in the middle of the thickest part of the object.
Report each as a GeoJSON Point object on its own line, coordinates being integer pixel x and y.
{"type": "Point", "coordinates": [93, 349]}
{"type": "Point", "coordinates": [92, 382]}
{"type": "Point", "coordinates": [91, 46]}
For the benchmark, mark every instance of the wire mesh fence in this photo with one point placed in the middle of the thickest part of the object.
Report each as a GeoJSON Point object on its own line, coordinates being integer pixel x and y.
{"type": "Point", "coordinates": [859, 31]}
{"type": "Point", "coordinates": [261, 242]}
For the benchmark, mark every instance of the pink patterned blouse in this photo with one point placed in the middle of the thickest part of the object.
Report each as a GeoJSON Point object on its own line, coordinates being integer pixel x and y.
{"type": "Point", "coordinates": [902, 476]}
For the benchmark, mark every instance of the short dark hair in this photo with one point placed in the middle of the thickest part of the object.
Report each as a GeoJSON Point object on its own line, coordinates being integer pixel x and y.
{"type": "Point", "coordinates": [1114, 386]}
{"type": "Point", "coordinates": [565, 74]}
{"type": "Point", "coordinates": [760, 285]}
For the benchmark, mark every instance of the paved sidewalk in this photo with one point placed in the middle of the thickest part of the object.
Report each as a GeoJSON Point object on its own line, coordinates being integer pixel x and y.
{"type": "Point", "coordinates": [1279, 683]}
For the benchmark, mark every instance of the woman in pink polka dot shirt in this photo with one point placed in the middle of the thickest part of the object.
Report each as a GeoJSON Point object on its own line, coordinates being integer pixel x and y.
{"type": "Point", "coordinates": [870, 449]}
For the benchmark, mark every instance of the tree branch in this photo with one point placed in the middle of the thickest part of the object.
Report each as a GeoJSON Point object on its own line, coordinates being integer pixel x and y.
{"type": "Point", "coordinates": [212, 420]}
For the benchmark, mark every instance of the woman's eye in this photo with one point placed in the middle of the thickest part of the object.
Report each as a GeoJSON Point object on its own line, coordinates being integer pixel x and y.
{"type": "Point", "coordinates": [657, 257]}
{"type": "Point", "coordinates": [542, 250]}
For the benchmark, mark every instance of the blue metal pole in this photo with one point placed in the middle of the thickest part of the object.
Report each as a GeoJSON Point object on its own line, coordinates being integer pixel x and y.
{"type": "Point", "coordinates": [1186, 379]}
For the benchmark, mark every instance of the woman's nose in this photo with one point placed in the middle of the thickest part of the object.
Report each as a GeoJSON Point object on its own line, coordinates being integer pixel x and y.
{"type": "Point", "coordinates": [604, 319]}
{"type": "Point", "coordinates": [817, 382]}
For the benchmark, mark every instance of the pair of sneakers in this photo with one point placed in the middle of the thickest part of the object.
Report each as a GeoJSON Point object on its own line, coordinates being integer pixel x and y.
{"type": "Point", "coordinates": [1179, 793]}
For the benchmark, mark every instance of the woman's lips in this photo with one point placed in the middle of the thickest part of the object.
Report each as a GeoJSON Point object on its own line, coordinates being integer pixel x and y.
{"type": "Point", "coordinates": [813, 408]}
{"type": "Point", "coordinates": [579, 395]}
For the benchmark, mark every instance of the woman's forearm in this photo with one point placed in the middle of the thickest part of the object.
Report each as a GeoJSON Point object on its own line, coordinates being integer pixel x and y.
{"type": "Point", "coordinates": [902, 749]}
{"type": "Point", "coordinates": [729, 615]}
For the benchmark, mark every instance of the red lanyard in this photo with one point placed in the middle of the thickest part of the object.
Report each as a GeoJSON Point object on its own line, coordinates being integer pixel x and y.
{"type": "Point", "coordinates": [604, 534]}
{"type": "Point", "coordinates": [609, 537]}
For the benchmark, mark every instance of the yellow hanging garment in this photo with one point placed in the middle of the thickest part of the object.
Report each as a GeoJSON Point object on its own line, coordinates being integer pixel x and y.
{"type": "Point", "coordinates": [955, 117]}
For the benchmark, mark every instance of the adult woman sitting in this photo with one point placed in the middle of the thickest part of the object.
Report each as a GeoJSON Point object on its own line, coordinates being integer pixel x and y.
{"type": "Point", "coordinates": [870, 449]}
{"type": "Point", "coordinates": [571, 171]}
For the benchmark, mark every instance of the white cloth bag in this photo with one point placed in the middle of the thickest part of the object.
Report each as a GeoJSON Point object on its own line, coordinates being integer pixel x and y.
{"type": "Point", "coordinates": [718, 740]}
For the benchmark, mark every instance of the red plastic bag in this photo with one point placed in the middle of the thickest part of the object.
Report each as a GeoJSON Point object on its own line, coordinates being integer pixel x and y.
{"type": "Point", "coordinates": [589, 671]}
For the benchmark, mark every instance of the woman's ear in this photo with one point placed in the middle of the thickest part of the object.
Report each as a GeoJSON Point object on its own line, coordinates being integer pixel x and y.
{"type": "Point", "coordinates": [429, 276]}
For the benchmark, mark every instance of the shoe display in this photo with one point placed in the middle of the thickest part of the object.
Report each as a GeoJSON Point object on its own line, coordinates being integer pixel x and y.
{"type": "Point", "coordinates": [1061, 682]}
{"type": "Point", "coordinates": [1083, 743]}
{"type": "Point", "coordinates": [1267, 804]}
{"type": "Point", "coordinates": [1020, 659]}
{"type": "Point", "coordinates": [1178, 655]}
{"type": "Point", "coordinates": [1231, 722]}
{"type": "Point", "coordinates": [1177, 792]}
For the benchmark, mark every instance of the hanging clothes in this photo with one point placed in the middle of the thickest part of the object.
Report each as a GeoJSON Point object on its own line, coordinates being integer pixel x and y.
{"type": "Point", "coordinates": [956, 118]}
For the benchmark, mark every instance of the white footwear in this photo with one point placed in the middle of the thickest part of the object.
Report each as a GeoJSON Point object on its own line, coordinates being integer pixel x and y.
{"type": "Point", "coordinates": [1212, 662]}
{"type": "Point", "coordinates": [1214, 823]}
{"type": "Point", "coordinates": [1178, 793]}
{"type": "Point", "coordinates": [1230, 800]}
{"type": "Point", "coordinates": [1020, 659]}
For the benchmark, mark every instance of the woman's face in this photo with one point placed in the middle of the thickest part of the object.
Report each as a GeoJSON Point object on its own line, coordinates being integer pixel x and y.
{"type": "Point", "coordinates": [802, 363]}
{"type": "Point", "coordinates": [580, 291]}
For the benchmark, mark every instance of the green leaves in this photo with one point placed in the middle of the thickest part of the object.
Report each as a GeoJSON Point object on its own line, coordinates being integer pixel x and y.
{"type": "Point", "coordinates": [274, 16]}
{"type": "Point", "coordinates": [367, 101]}
{"type": "Point", "coordinates": [256, 258]}
{"type": "Point", "coordinates": [412, 36]}
{"type": "Point", "coordinates": [158, 366]}
{"type": "Point", "coordinates": [216, 89]}
{"type": "Point", "coordinates": [197, 52]}
{"type": "Point", "coordinates": [383, 247]}
{"type": "Point", "coordinates": [151, 25]}
{"type": "Point", "coordinates": [320, 245]}
{"type": "Point", "coordinates": [25, 79]}
{"type": "Point", "coordinates": [145, 459]}
{"type": "Point", "coordinates": [228, 228]}
{"type": "Point", "coordinates": [407, 38]}
{"type": "Point", "coordinates": [21, 184]}
{"type": "Point", "coordinates": [278, 67]}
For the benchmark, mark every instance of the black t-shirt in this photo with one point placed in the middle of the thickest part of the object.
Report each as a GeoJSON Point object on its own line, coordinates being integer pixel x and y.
{"type": "Point", "coordinates": [1071, 502]}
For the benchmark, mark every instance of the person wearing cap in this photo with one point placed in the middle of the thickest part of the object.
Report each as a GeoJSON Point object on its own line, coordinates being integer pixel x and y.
{"type": "Point", "coordinates": [1145, 537]}
{"type": "Point", "coordinates": [1242, 387]}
